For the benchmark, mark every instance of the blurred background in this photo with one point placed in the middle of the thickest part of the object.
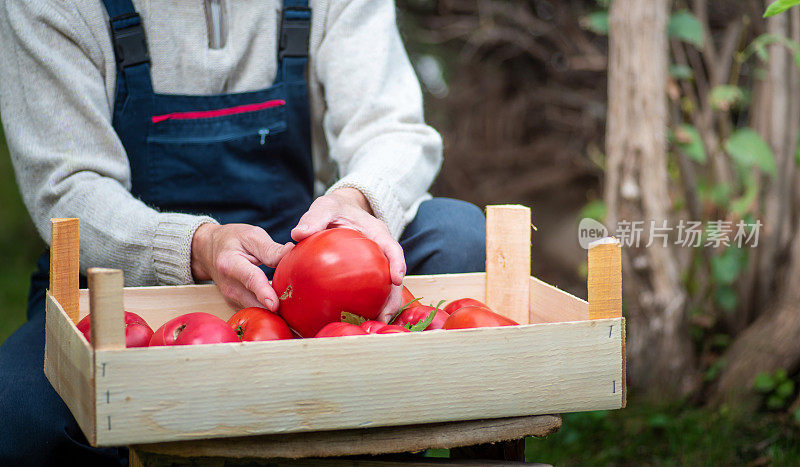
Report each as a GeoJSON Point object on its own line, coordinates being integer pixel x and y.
{"type": "Point", "coordinates": [690, 112]}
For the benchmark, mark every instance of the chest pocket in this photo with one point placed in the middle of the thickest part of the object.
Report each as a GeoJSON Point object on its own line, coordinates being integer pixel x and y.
{"type": "Point", "coordinates": [204, 157]}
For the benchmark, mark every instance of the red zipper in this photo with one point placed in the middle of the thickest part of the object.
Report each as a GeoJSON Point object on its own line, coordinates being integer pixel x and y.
{"type": "Point", "coordinates": [239, 109]}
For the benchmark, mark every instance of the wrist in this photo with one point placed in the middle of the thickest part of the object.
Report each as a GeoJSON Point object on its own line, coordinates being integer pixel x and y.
{"type": "Point", "coordinates": [353, 196]}
{"type": "Point", "coordinates": [200, 245]}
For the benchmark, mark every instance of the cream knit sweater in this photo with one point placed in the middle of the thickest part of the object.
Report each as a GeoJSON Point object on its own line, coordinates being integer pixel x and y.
{"type": "Point", "coordinates": [57, 79]}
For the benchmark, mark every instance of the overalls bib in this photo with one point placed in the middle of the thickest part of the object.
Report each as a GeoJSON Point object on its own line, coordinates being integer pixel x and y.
{"type": "Point", "coordinates": [243, 157]}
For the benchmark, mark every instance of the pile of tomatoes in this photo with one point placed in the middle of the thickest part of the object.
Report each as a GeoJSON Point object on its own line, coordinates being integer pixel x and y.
{"type": "Point", "coordinates": [334, 283]}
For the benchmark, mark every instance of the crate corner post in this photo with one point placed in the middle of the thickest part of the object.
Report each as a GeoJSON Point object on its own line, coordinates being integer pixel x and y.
{"type": "Point", "coordinates": [605, 290]}
{"type": "Point", "coordinates": [65, 264]}
{"type": "Point", "coordinates": [508, 261]}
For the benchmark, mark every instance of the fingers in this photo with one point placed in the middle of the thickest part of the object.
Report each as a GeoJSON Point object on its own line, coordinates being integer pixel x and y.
{"type": "Point", "coordinates": [327, 210]}
{"type": "Point", "coordinates": [392, 305]}
{"type": "Point", "coordinates": [234, 266]}
{"type": "Point", "coordinates": [321, 213]}
{"type": "Point", "coordinates": [378, 232]}
{"type": "Point", "coordinates": [258, 243]}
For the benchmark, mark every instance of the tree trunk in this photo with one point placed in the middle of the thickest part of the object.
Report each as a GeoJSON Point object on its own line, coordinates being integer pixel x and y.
{"type": "Point", "coordinates": [661, 359]}
{"type": "Point", "coordinates": [771, 341]}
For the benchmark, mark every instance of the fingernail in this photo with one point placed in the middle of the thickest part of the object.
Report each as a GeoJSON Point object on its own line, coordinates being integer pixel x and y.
{"type": "Point", "coordinates": [269, 303]}
{"type": "Point", "coordinates": [301, 227]}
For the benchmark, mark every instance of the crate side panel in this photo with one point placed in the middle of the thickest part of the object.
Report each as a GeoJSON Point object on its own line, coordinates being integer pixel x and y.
{"type": "Point", "coordinates": [157, 305]}
{"type": "Point", "coordinates": [167, 394]}
{"type": "Point", "coordinates": [433, 288]}
{"type": "Point", "coordinates": [550, 304]}
{"type": "Point", "coordinates": [69, 366]}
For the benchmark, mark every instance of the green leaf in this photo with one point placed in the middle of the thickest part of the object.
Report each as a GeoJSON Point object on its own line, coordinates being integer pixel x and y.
{"type": "Point", "coordinates": [726, 267]}
{"type": "Point", "coordinates": [596, 22]}
{"type": "Point", "coordinates": [740, 206]}
{"type": "Point", "coordinates": [763, 383]}
{"type": "Point", "coordinates": [685, 26]}
{"type": "Point", "coordinates": [595, 209]}
{"type": "Point", "coordinates": [681, 72]}
{"type": "Point", "coordinates": [422, 325]}
{"type": "Point", "coordinates": [774, 402]}
{"type": "Point", "coordinates": [715, 369]}
{"type": "Point", "coordinates": [748, 149]}
{"type": "Point", "coordinates": [725, 97]}
{"type": "Point", "coordinates": [779, 6]}
{"type": "Point", "coordinates": [785, 389]}
{"type": "Point", "coordinates": [726, 298]}
{"type": "Point", "coordinates": [688, 138]}
{"type": "Point", "coordinates": [351, 318]}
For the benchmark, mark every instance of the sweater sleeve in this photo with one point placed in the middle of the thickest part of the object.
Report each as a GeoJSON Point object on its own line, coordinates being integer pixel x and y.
{"type": "Point", "coordinates": [374, 122]}
{"type": "Point", "coordinates": [67, 157]}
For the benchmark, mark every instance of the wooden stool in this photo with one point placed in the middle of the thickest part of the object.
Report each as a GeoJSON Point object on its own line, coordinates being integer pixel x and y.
{"type": "Point", "coordinates": [328, 447]}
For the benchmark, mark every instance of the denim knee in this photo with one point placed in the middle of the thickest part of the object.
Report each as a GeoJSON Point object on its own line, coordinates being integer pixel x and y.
{"type": "Point", "coordinates": [446, 236]}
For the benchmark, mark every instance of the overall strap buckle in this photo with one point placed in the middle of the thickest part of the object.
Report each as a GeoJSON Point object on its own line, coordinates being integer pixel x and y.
{"type": "Point", "coordinates": [130, 43]}
{"type": "Point", "coordinates": [295, 29]}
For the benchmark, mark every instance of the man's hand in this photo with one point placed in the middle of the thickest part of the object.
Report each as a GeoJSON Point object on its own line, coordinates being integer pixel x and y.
{"type": "Point", "coordinates": [230, 254]}
{"type": "Point", "coordinates": [347, 207]}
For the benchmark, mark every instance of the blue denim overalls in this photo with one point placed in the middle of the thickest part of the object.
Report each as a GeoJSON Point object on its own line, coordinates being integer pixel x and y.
{"type": "Point", "coordinates": [240, 158]}
{"type": "Point", "coordinates": [243, 158]}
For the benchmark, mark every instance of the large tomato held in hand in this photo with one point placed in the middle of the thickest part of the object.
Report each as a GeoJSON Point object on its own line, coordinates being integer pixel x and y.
{"type": "Point", "coordinates": [338, 329]}
{"type": "Point", "coordinates": [194, 328]}
{"type": "Point", "coordinates": [259, 324]}
{"type": "Point", "coordinates": [417, 314]}
{"type": "Point", "coordinates": [455, 305]}
{"type": "Point", "coordinates": [476, 317]}
{"type": "Point", "coordinates": [137, 331]}
{"type": "Point", "coordinates": [333, 271]}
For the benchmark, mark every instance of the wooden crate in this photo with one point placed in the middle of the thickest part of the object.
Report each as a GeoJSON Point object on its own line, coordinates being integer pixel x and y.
{"type": "Point", "coordinates": [571, 357]}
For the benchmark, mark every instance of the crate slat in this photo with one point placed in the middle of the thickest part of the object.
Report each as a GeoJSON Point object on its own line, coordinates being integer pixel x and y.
{"type": "Point", "coordinates": [178, 393]}
{"type": "Point", "coordinates": [548, 304]}
{"type": "Point", "coordinates": [69, 365]}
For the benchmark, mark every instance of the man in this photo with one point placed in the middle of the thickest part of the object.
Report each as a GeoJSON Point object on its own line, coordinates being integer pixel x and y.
{"type": "Point", "coordinates": [197, 142]}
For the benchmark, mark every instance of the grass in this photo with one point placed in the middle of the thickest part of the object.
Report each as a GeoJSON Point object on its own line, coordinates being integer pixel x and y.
{"type": "Point", "coordinates": [20, 245]}
{"type": "Point", "coordinates": [647, 434]}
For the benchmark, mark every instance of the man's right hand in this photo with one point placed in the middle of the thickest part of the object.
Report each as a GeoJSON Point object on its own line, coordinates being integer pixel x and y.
{"type": "Point", "coordinates": [230, 254]}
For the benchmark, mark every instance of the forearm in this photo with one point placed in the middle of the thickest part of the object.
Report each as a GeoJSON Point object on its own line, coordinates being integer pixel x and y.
{"type": "Point", "coordinates": [374, 120]}
{"type": "Point", "coordinates": [119, 231]}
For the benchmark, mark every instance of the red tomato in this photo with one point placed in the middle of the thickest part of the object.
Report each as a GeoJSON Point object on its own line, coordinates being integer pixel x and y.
{"type": "Point", "coordinates": [408, 297]}
{"type": "Point", "coordinates": [337, 329]}
{"type": "Point", "coordinates": [391, 329]}
{"type": "Point", "coordinates": [137, 331]}
{"type": "Point", "coordinates": [194, 328]}
{"type": "Point", "coordinates": [376, 327]}
{"type": "Point", "coordinates": [259, 324]}
{"type": "Point", "coordinates": [455, 305]}
{"type": "Point", "coordinates": [476, 317]}
{"type": "Point", "coordinates": [419, 313]}
{"type": "Point", "coordinates": [372, 327]}
{"type": "Point", "coordinates": [333, 271]}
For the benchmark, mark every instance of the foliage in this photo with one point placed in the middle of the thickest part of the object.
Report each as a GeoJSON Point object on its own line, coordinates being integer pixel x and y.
{"type": "Point", "coordinates": [779, 7]}
{"type": "Point", "coordinates": [683, 25]}
{"type": "Point", "coordinates": [19, 246]}
{"type": "Point", "coordinates": [670, 434]}
{"type": "Point", "coordinates": [777, 388]}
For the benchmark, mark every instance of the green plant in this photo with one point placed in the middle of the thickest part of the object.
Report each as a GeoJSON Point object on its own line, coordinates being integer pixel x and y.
{"type": "Point", "coordinates": [777, 388]}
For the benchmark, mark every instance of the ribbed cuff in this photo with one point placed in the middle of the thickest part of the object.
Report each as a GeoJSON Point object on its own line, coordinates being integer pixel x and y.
{"type": "Point", "coordinates": [384, 203]}
{"type": "Point", "coordinates": [172, 247]}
